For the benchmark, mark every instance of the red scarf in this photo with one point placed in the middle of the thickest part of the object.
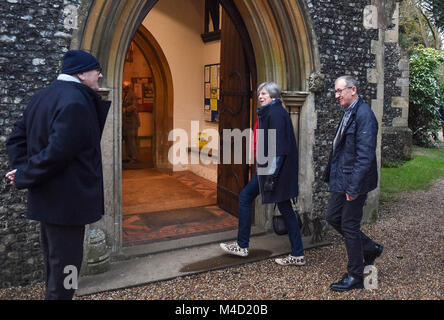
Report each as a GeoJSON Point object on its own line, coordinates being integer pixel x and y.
{"type": "Point", "coordinates": [256, 125]}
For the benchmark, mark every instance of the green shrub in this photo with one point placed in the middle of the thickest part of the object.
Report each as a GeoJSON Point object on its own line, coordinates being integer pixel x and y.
{"type": "Point", "coordinates": [426, 95]}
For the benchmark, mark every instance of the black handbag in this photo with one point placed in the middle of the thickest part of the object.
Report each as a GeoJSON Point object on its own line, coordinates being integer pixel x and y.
{"type": "Point", "coordinates": [279, 225]}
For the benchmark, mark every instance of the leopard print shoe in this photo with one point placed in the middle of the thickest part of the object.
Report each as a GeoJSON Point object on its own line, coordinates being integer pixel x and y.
{"type": "Point", "coordinates": [233, 248]}
{"type": "Point", "coordinates": [291, 260]}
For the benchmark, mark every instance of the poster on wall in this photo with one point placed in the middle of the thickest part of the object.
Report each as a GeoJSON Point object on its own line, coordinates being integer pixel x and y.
{"type": "Point", "coordinates": [144, 92]}
{"type": "Point", "coordinates": [211, 92]}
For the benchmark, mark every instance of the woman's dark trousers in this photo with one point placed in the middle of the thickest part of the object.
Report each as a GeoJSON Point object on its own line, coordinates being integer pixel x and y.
{"type": "Point", "coordinates": [246, 198]}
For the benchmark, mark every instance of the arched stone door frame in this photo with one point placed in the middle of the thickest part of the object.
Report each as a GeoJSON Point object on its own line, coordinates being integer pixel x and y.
{"type": "Point", "coordinates": [163, 100]}
{"type": "Point", "coordinates": [285, 52]}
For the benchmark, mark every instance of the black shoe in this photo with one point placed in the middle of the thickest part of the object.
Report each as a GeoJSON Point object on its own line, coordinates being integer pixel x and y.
{"type": "Point", "coordinates": [370, 257]}
{"type": "Point", "coordinates": [347, 283]}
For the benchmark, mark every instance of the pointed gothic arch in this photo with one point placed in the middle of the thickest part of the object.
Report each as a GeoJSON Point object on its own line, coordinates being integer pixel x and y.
{"type": "Point", "coordinates": [282, 45]}
{"type": "Point", "coordinates": [163, 81]}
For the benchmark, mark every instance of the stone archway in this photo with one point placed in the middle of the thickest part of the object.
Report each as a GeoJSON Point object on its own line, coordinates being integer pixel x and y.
{"type": "Point", "coordinates": [284, 47]}
{"type": "Point", "coordinates": [163, 119]}
{"type": "Point", "coordinates": [108, 28]}
{"type": "Point", "coordinates": [284, 51]}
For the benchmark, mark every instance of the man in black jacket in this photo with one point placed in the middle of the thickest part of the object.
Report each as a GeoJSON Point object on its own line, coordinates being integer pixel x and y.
{"type": "Point", "coordinates": [351, 173]}
{"type": "Point", "coordinates": [55, 152]}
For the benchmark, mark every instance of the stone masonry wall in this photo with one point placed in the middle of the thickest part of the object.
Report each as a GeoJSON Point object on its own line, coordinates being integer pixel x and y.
{"type": "Point", "coordinates": [392, 55]}
{"type": "Point", "coordinates": [33, 39]}
{"type": "Point", "coordinates": [353, 36]}
{"type": "Point", "coordinates": [344, 48]}
{"type": "Point", "coordinates": [396, 135]}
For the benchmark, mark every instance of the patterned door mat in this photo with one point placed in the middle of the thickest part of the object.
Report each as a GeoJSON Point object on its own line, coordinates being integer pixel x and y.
{"type": "Point", "coordinates": [175, 224]}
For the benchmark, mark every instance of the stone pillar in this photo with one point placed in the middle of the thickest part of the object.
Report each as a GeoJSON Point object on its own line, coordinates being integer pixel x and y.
{"type": "Point", "coordinates": [375, 75]}
{"type": "Point", "coordinates": [300, 107]}
{"type": "Point", "coordinates": [96, 256]}
{"type": "Point", "coordinates": [97, 253]}
{"type": "Point", "coordinates": [397, 139]}
{"type": "Point", "coordinates": [391, 78]}
{"type": "Point", "coordinates": [396, 135]}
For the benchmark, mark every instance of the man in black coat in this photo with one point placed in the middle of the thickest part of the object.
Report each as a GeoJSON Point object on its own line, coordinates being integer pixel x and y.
{"type": "Point", "coordinates": [55, 152]}
{"type": "Point", "coordinates": [352, 173]}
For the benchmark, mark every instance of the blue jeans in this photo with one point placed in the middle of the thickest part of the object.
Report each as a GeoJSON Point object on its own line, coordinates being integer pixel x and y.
{"type": "Point", "coordinates": [246, 197]}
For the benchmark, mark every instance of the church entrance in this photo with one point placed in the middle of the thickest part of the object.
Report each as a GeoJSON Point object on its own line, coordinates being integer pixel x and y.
{"type": "Point", "coordinates": [189, 67]}
{"type": "Point", "coordinates": [201, 61]}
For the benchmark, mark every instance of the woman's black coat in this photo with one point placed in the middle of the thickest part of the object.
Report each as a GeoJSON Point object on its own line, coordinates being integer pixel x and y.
{"type": "Point", "coordinates": [56, 149]}
{"type": "Point", "coordinates": [274, 116]}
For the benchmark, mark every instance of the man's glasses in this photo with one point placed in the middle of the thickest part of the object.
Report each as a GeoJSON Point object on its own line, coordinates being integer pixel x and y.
{"type": "Point", "coordinates": [339, 91]}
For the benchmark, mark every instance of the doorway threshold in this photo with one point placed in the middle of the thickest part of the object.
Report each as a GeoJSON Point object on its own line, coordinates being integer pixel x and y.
{"type": "Point", "coordinates": [167, 265]}
{"type": "Point", "coordinates": [140, 250]}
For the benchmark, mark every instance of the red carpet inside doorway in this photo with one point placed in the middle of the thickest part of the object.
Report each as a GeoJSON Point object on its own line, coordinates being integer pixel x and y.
{"type": "Point", "coordinates": [175, 224]}
{"type": "Point", "coordinates": [159, 207]}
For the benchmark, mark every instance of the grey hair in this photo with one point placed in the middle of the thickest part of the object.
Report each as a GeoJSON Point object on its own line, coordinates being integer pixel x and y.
{"type": "Point", "coordinates": [349, 81]}
{"type": "Point", "coordinates": [273, 89]}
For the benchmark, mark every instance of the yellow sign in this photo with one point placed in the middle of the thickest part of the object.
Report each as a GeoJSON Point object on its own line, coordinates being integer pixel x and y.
{"type": "Point", "coordinates": [213, 104]}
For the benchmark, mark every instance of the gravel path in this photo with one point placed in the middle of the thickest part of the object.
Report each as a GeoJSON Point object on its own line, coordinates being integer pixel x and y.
{"type": "Point", "coordinates": [411, 266]}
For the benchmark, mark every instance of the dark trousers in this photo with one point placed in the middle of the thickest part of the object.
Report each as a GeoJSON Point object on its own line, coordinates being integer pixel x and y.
{"type": "Point", "coordinates": [246, 197]}
{"type": "Point", "coordinates": [345, 216]}
{"type": "Point", "coordinates": [62, 254]}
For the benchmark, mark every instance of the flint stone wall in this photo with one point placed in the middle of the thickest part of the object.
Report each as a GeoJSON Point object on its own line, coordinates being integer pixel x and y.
{"type": "Point", "coordinates": [33, 39]}
{"type": "Point", "coordinates": [345, 47]}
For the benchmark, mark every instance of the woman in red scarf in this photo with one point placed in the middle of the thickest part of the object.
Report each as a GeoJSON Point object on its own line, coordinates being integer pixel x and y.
{"type": "Point", "coordinates": [276, 177]}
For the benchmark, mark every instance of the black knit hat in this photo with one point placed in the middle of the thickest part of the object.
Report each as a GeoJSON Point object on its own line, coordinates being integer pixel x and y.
{"type": "Point", "coordinates": [78, 61]}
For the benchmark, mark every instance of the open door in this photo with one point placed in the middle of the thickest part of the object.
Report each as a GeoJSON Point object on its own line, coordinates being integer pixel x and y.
{"type": "Point", "coordinates": [235, 110]}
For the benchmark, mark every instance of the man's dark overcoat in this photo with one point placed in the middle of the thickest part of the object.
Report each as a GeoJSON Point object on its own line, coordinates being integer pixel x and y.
{"type": "Point", "coordinates": [56, 148]}
{"type": "Point", "coordinates": [352, 166]}
{"type": "Point", "coordinates": [274, 116]}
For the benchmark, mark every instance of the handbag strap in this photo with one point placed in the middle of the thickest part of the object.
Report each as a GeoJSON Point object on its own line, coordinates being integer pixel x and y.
{"type": "Point", "coordinates": [274, 210]}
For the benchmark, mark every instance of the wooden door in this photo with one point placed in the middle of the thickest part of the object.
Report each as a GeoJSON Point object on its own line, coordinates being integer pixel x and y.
{"type": "Point", "coordinates": [234, 112]}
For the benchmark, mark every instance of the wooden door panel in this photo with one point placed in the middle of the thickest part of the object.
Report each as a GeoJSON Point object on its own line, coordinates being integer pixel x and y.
{"type": "Point", "coordinates": [234, 113]}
